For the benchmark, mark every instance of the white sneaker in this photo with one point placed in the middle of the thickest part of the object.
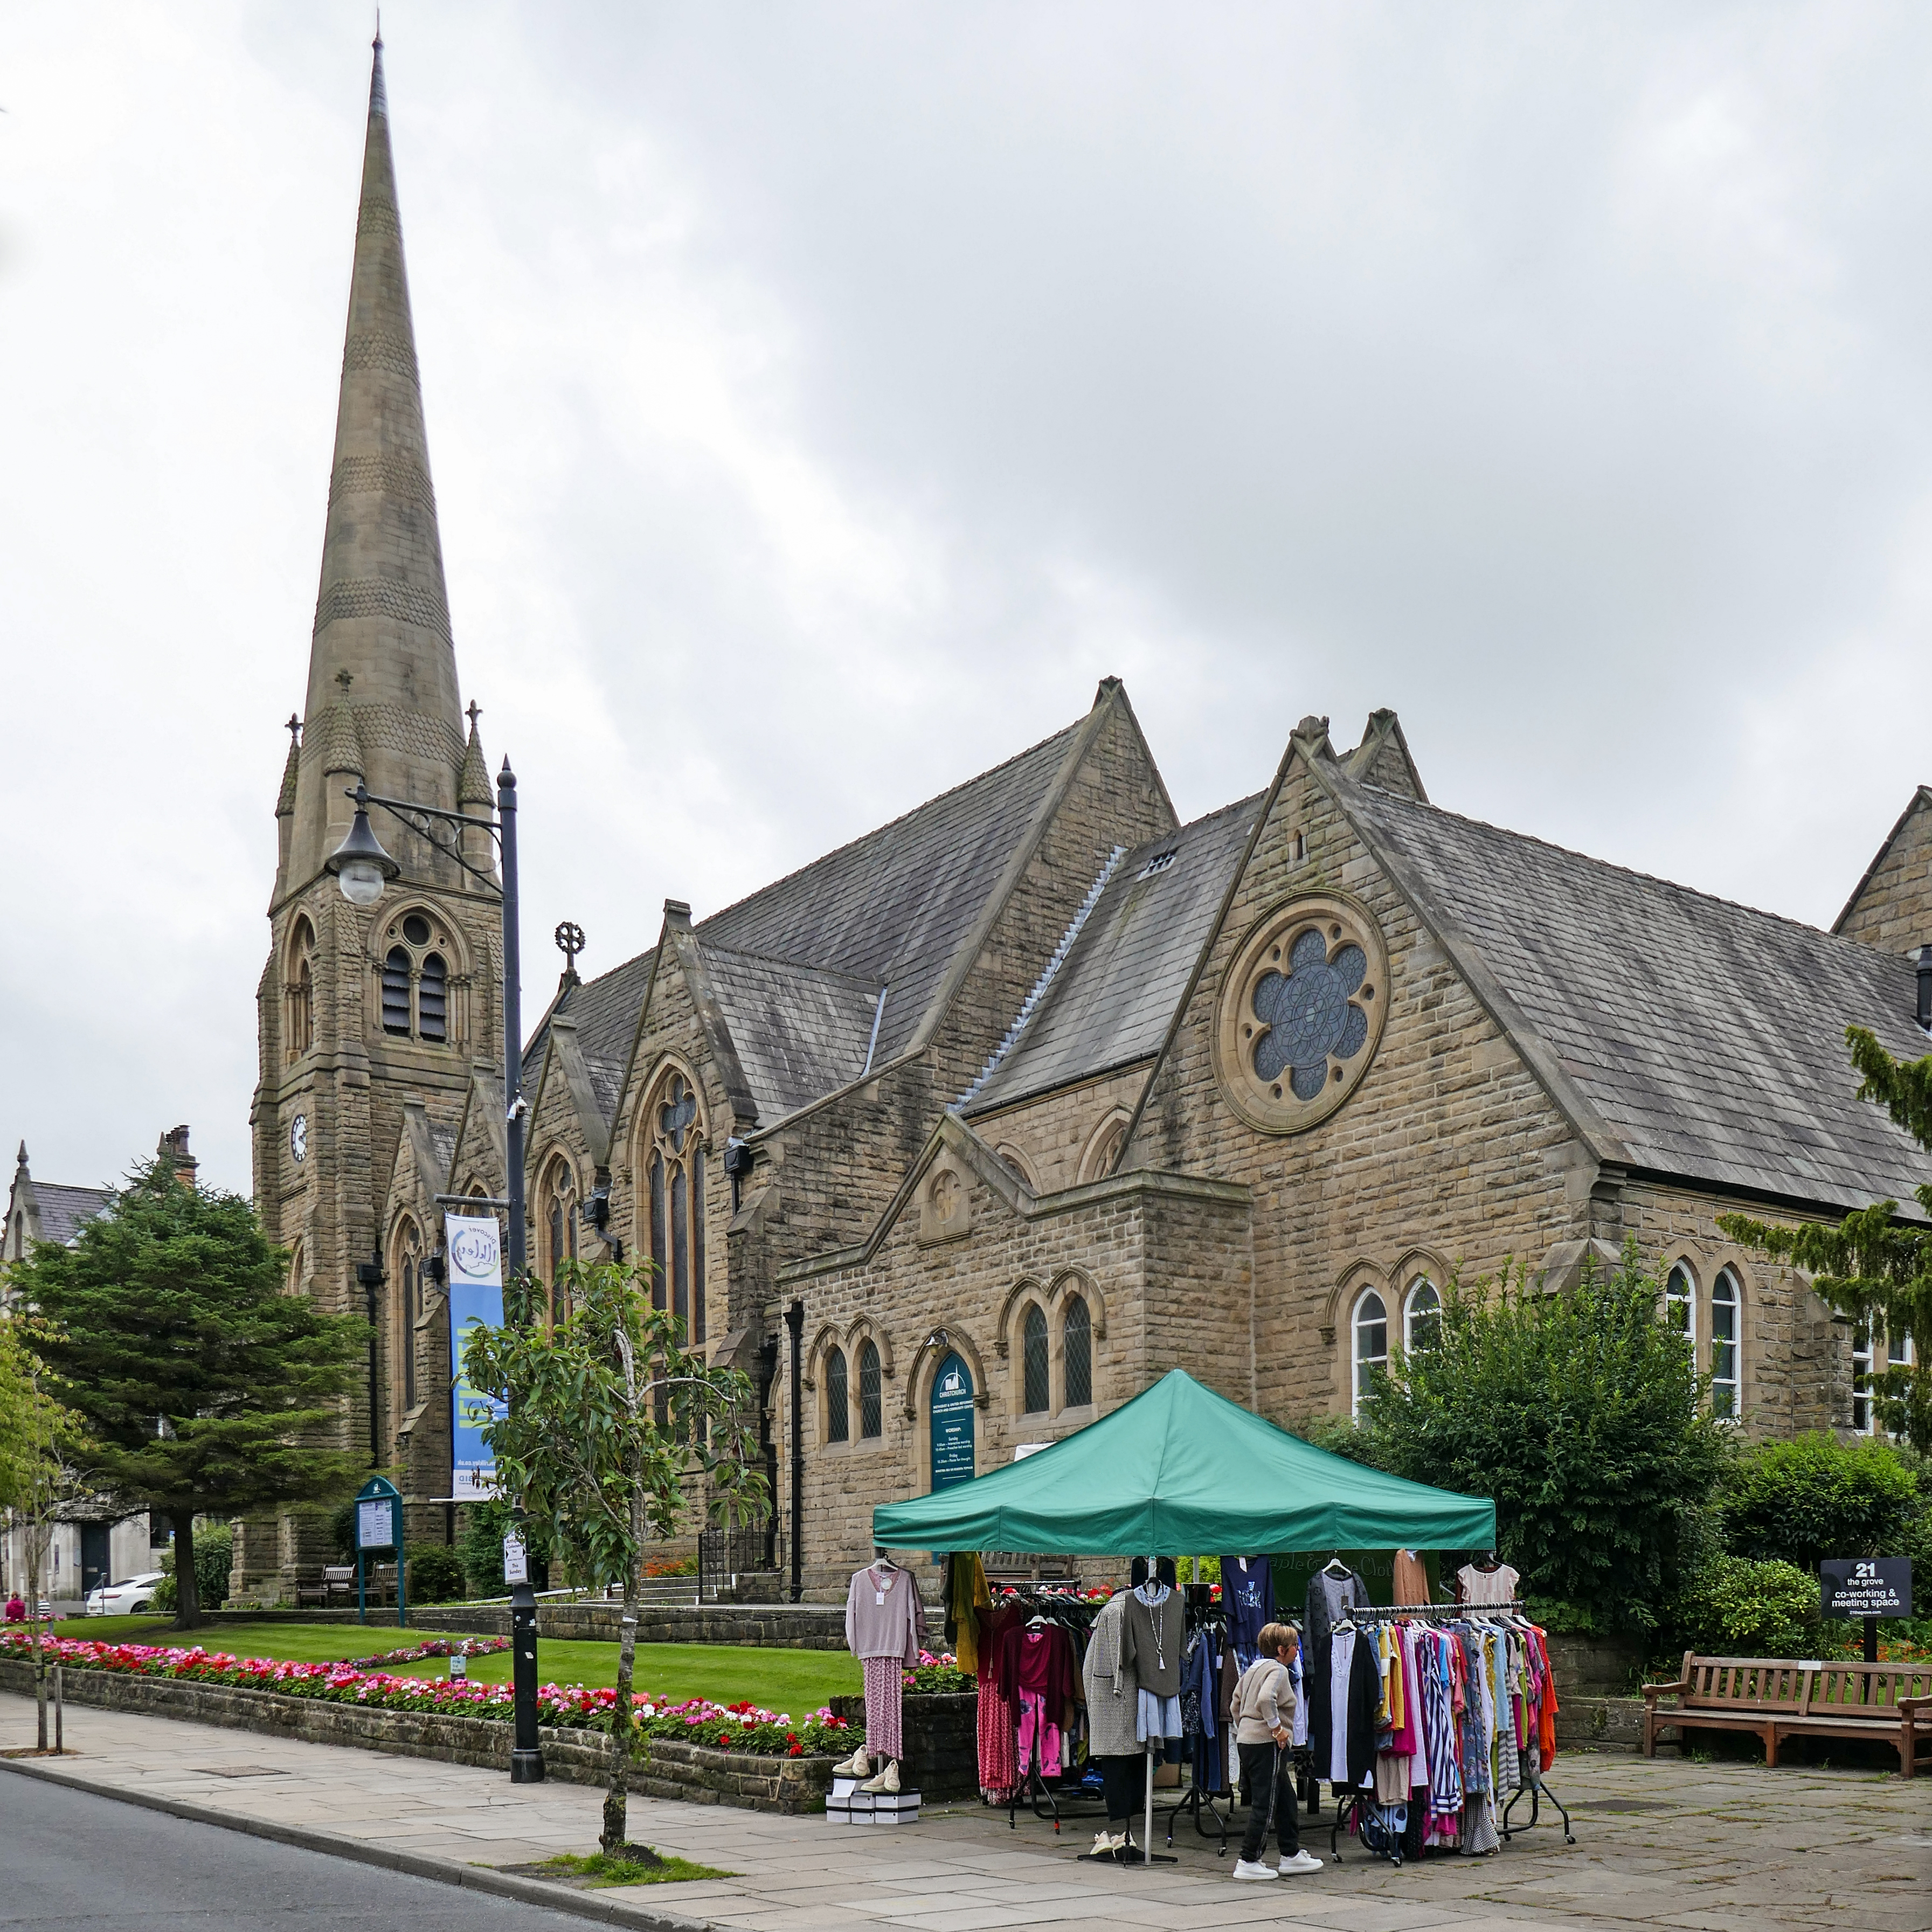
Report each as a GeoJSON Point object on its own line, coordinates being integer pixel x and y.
{"type": "Point", "coordinates": [887, 1780]}
{"type": "Point", "coordinates": [857, 1765]}
{"type": "Point", "coordinates": [1302, 1861]}
{"type": "Point", "coordinates": [1247, 1868]}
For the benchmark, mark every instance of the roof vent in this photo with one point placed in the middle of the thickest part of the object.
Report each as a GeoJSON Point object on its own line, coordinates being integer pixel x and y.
{"type": "Point", "coordinates": [1159, 863]}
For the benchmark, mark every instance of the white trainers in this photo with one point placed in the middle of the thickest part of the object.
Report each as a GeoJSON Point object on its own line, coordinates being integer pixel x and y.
{"type": "Point", "coordinates": [887, 1780]}
{"type": "Point", "coordinates": [1248, 1868]}
{"type": "Point", "coordinates": [857, 1765]}
{"type": "Point", "coordinates": [1302, 1861]}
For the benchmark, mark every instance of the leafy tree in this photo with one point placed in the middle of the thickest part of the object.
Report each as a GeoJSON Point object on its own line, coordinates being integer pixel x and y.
{"type": "Point", "coordinates": [1869, 1267]}
{"type": "Point", "coordinates": [203, 1385]}
{"type": "Point", "coordinates": [1581, 1413]}
{"type": "Point", "coordinates": [609, 1418]}
{"type": "Point", "coordinates": [38, 1436]}
{"type": "Point", "coordinates": [1814, 1496]}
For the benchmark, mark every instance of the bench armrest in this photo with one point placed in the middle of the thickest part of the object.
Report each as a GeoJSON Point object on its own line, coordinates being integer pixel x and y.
{"type": "Point", "coordinates": [1681, 1686]}
{"type": "Point", "coordinates": [1912, 1703]}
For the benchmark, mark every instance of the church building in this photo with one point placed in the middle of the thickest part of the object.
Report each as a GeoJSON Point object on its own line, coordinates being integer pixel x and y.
{"type": "Point", "coordinates": [999, 1112]}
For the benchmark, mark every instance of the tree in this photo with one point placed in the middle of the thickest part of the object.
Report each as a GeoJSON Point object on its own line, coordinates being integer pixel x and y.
{"type": "Point", "coordinates": [205, 1385]}
{"type": "Point", "coordinates": [38, 1481]}
{"type": "Point", "coordinates": [608, 1418]}
{"type": "Point", "coordinates": [1580, 1413]}
{"type": "Point", "coordinates": [1869, 1268]}
{"type": "Point", "coordinates": [1814, 1497]}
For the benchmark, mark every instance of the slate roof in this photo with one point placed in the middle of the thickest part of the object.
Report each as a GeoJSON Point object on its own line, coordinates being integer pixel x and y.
{"type": "Point", "coordinates": [63, 1209]}
{"type": "Point", "coordinates": [796, 965]}
{"type": "Point", "coordinates": [894, 905]}
{"type": "Point", "coordinates": [1709, 1038]}
{"type": "Point", "coordinates": [800, 1032]}
{"type": "Point", "coordinates": [1110, 1003]}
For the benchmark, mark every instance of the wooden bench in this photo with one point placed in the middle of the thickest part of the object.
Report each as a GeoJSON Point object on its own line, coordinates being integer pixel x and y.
{"type": "Point", "coordinates": [1778, 1698]}
{"type": "Point", "coordinates": [337, 1584]}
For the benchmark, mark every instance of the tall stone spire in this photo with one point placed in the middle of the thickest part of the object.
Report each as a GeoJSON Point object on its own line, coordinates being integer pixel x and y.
{"type": "Point", "coordinates": [381, 656]}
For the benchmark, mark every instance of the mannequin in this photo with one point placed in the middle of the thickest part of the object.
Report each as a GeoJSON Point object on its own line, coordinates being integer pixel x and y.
{"type": "Point", "coordinates": [1113, 1700]}
{"type": "Point", "coordinates": [885, 1629]}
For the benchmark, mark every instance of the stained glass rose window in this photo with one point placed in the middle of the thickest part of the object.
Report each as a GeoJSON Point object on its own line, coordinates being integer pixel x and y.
{"type": "Point", "coordinates": [1301, 1011]}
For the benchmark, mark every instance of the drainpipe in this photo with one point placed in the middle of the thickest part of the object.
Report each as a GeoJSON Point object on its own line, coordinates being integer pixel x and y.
{"type": "Point", "coordinates": [768, 1445]}
{"type": "Point", "coordinates": [795, 1322]}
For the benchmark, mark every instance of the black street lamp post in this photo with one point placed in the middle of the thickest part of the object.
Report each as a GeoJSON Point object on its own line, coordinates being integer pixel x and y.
{"type": "Point", "coordinates": [363, 869]}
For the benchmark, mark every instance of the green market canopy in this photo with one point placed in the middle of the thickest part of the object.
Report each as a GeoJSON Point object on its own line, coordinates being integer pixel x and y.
{"type": "Point", "coordinates": [1181, 1470]}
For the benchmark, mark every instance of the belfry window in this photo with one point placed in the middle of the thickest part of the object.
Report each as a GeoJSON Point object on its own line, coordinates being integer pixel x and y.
{"type": "Point", "coordinates": [1077, 1336]}
{"type": "Point", "coordinates": [302, 991]}
{"type": "Point", "coordinates": [415, 981]}
{"type": "Point", "coordinates": [838, 1422]}
{"type": "Point", "coordinates": [1034, 1349]}
{"type": "Point", "coordinates": [396, 992]}
{"type": "Point", "coordinates": [871, 1406]}
{"type": "Point", "coordinates": [676, 1170]}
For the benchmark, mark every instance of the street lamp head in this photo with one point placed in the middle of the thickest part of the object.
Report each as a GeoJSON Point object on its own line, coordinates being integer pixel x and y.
{"type": "Point", "coordinates": [361, 866]}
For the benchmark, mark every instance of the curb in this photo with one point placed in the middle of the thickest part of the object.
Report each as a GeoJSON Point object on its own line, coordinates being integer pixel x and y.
{"type": "Point", "coordinates": [600, 1906]}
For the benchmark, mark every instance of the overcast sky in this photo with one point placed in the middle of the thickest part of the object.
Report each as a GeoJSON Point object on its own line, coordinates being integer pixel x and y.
{"type": "Point", "coordinates": [821, 399]}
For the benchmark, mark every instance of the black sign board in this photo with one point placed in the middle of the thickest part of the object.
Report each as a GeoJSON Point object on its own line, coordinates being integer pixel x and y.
{"type": "Point", "coordinates": [1867, 1586]}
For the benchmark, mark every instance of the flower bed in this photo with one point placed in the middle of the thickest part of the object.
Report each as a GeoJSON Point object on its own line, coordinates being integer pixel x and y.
{"type": "Point", "coordinates": [741, 1727]}
{"type": "Point", "coordinates": [937, 1674]}
{"type": "Point", "coordinates": [470, 1646]}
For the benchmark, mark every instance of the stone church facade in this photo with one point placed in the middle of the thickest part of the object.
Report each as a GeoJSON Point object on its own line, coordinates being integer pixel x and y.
{"type": "Point", "coordinates": [1036, 1093]}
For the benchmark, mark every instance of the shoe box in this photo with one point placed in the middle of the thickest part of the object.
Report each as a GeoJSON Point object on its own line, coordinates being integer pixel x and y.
{"type": "Point", "coordinates": [845, 1804]}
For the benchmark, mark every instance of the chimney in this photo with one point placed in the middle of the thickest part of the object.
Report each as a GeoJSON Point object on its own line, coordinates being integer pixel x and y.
{"type": "Point", "coordinates": [172, 1146]}
{"type": "Point", "coordinates": [1925, 988]}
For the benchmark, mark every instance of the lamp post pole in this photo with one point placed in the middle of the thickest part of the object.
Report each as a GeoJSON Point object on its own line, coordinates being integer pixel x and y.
{"type": "Point", "coordinates": [362, 869]}
{"type": "Point", "coordinates": [795, 1322]}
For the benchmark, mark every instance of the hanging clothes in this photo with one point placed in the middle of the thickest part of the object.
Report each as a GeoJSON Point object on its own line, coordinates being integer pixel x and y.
{"type": "Point", "coordinates": [1247, 1602]}
{"type": "Point", "coordinates": [1034, 1669]}
{"type": "Point", "coordinates": [1112, 1690]}
{"type": "Point", "coordinates": [1152, 1638]}
{"type": "Point", "coordinates": [1487, 1586]}
{"type": "Point", "coordinates": [1411, 1579]}
{"type": "Point", "coordinates": [998, 1721]}
{"type": "Point", "coordinates": [967, 1603]}
{"type": "Point", "coordinates": [1328, 1595]}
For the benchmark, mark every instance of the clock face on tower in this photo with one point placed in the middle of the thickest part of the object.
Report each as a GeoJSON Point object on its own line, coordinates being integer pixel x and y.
{"type": "Point", "coordinates": [299, 1137]}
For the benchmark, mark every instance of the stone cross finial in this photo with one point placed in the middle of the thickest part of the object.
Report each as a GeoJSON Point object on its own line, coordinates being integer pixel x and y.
{"type": "Point", "coordinates": [345, 677]}
{"type": "Point", "coordinates": [294, 728]}
{"type": "Point", "coordinates": [474, 711]}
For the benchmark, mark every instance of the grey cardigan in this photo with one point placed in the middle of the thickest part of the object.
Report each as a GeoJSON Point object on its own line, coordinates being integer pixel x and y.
{"type": "Point", "coordinates": [1112, 1703]}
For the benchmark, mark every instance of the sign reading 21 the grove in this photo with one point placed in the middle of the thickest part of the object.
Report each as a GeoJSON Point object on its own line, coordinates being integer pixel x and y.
{"type": "Point", "coordinates": [1867, 1586]}
{"type": "Point", "coordinates": [475, 1250]}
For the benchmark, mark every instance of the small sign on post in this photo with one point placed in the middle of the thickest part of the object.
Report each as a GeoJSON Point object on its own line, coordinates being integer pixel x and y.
{"type": "Point", "coordinates": [459, 1667]}
{"type": "Point", "coordinates": [378, 1526]}
{"type": "Point", "coordinates": [1870, 1587]}
{"type": "Point", "coordinates": [516, 1559]}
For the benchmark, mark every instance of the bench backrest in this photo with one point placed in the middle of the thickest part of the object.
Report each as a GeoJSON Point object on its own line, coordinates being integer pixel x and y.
{"type": "Point", "coordinates": [339, 1573]}
{"type": "Point", "coordinates": [1853, 1688]}
{"type": "Point", "coordinates": [1746, 1683]}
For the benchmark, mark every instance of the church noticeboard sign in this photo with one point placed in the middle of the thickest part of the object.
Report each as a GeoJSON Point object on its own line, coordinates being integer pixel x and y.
{"type": "Point", "coordinates": [952, 1424]}
{"type": "Point", "coordinates": [1867, 1586]}
{"type": "Point", "coordinates": [376, 1523]}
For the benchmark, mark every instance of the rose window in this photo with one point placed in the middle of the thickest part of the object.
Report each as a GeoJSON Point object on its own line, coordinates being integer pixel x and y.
{"type": "Point", "coordinates": [1301, 1012]}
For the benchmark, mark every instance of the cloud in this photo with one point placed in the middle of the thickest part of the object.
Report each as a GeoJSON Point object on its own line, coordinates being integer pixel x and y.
{"type": "Point", "coordinates": [821, 398]}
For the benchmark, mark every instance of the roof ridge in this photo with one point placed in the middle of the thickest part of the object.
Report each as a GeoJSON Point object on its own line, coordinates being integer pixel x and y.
{"type": "Point", "coordinates": [1610, 865]}
{"type": "Point", "coordinates": [926, 805]}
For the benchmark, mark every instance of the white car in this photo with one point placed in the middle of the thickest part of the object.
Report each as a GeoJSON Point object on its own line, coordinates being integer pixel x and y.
{"type": "Point", "coordinates": [125, 1599]}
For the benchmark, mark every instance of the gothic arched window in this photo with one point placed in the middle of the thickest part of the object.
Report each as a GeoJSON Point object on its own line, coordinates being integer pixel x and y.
{"type": "Point", "coordinates": [405, 1271]}
{"type": "Point", "coordinates": [1680, 1306]}
{"type": "Point", "coordinates": [432, 999]}
{"type": "Point", "coordinates": [1861, 1373]}
{"type": "Point", "coordinates": [1369, 1336]}
{"type": "Point", "coordinates": [1726, 1328]}
{"type": "Point", "coordinates": [1033, 1332]}
{"type": "Point", "coordinates": [871, 1406]}
{"type": "Point", "coordinates": [675, 1124]}
{"type": "Point", "coordinates": [1421, 1316]}
{"type": "Point", "coordinates": [396, 992]}
{"type": "Point", "coordinates": [301, 990]}
{"type": "Point", "coordinates": [1077, 1338]}
{"type": "Point", "coordinates": [557, 1217]}
{"type": "Point", "coordinates": [837, 1426]}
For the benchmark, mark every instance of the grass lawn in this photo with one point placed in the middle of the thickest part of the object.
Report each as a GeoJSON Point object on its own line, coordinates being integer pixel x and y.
{"type": "Point", "coordinates": [792, 1681]}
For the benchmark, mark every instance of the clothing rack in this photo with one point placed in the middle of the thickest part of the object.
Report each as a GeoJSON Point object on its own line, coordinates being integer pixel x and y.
{"type": "Point", "coordinates": [1201, 1615]}
{"type": "Point", "coordinates": [1065, 1608]}
{"type": "Point", "coordinates": [1529, 1774]}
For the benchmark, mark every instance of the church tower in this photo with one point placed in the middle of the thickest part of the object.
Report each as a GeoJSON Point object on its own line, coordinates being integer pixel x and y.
{"type": "Point", "coordinates": [363, 1012]}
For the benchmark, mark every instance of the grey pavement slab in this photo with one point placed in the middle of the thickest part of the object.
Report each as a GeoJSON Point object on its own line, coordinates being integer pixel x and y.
{"type": "Point", "coordinates": [1731, 1846]}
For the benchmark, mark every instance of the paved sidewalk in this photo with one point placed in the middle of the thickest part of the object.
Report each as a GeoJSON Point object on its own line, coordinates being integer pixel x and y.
{"type": "Point", "coordinates": [1713, 1848]}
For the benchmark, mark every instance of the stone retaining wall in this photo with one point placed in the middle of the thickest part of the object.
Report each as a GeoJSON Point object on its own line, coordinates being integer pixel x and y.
{"type": "Point", "coordinates": [693, 1773]}
{"type": "Point", "coordinates": [1599, 1723]}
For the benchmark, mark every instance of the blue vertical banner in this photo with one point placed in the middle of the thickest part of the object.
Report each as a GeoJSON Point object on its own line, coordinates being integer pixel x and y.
{"type": "Point", "coordinates": [475, 1250]}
